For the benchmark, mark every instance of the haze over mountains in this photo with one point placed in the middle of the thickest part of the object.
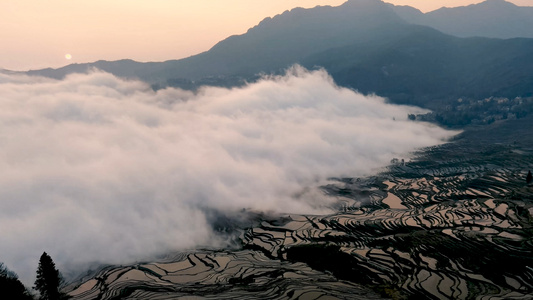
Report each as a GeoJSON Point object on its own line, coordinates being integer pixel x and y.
{"type": "Point", "coordinates": [492, 18]}
{"type": "Point", "coordinates": [367, 45]}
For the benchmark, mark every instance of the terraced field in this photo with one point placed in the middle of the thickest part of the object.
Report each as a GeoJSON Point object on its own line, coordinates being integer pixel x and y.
{"type": "Point", "coordinates": [218, 275]}
{"type": "Point", "coordinates": [454, 223]}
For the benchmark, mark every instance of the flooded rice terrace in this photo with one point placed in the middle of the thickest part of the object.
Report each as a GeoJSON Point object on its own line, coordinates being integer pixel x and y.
{"type": "Point", "coordinates": [454, 223]}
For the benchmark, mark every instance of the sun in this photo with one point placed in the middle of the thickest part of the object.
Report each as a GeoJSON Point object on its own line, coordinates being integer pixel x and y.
{"type": "Point", "coordinates": [68, 56]}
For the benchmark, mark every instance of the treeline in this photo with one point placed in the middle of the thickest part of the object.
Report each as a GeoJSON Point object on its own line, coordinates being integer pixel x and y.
{"type": "Point", "coordinates": [463, 112]}
{"type": "Point", "coordinates": [47, 283]}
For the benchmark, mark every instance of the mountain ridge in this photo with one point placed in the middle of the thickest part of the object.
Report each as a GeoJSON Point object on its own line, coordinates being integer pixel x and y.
{"type": "Point", "coordinates": [491, 18]}
{"type": "Point", "coordinates": [364, 44]}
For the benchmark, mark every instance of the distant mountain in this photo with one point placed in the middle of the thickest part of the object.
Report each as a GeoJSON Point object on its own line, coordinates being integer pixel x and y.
{"type": "Point", "coordinates": [364, 44]}
{"type": "Point", "coordinates": [492, 18]}
{"type": "Point", "coordinates": [123, 68]}
{"type": "Point", "coordinates": [423, 65]}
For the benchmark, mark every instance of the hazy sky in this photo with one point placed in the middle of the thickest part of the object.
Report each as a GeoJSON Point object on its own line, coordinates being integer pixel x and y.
{"type": "Point", "coordinates": [53, 33]}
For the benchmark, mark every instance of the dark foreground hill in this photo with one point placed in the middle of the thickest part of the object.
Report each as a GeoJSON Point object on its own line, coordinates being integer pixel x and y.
{"type": "Point", "coordinates": [364, 44]}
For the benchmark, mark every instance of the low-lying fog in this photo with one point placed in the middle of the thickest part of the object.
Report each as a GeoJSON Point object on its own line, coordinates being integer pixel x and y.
{"type": "Point", "coordinates": [96, 169]}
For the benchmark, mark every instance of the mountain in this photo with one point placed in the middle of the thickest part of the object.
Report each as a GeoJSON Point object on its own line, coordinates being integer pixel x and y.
{"type": "Point", "coordinates": [364, 44]}
{"type": "Point", "coordinates": [274, 44]}
{"type": "Point", "coordinates": [421, 65]}
{"type": "Point", "coordinates": [492, 18]}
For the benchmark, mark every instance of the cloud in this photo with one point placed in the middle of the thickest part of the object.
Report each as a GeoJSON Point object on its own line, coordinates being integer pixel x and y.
{"type": "Point", "coordinates": [99, 169]}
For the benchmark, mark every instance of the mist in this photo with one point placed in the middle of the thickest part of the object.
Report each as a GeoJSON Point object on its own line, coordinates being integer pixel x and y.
{"type": "Point", "coordinates": [100, 170]}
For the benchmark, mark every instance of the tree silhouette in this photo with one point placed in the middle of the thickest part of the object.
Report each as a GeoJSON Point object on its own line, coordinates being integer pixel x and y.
{"type": "Point", "coordinates": [11, 287]}
{"type": "Point", "coordinates": [529, 177]}
{"type": "Point", "coordinates": [48, 279]}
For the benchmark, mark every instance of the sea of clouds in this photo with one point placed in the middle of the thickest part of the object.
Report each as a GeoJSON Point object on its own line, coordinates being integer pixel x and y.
{"type": "Point", "coordinates": [97, 169]}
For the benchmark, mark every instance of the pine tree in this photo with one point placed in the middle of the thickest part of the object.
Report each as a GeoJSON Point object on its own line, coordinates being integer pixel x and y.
{"type": "Point", "coordinates": [529, 177]}
{"type": "Point", "coordinates": [11, 287]}
{"type": "Point", "coordinates": [48, 279]}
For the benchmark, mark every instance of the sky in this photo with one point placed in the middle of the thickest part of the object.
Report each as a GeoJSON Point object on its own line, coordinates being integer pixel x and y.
{"type": "Point", "coordinates": [38, 34]}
